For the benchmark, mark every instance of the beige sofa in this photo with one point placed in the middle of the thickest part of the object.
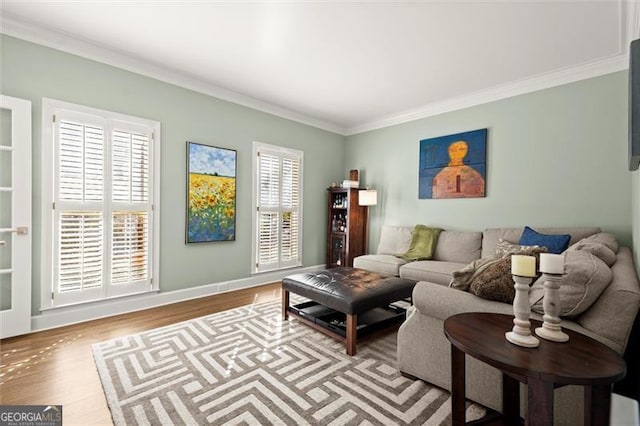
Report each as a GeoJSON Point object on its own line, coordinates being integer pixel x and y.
{"type": "Point", "coordinates": [424, 351]}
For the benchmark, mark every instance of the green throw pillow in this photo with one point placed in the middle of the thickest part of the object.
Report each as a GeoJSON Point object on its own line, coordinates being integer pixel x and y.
{"type": "Point", "coordinates": [423, 243]}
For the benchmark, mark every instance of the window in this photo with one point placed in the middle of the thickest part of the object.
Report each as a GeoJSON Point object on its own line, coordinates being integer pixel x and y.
{"type": "Point", "coordinates": [278, 208]}
{"type": "Point", "coordinates": [99, 191]}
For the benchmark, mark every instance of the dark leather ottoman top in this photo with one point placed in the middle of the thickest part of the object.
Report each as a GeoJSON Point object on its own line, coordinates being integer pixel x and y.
{"type": "Point", "coordinates": [349, 290]}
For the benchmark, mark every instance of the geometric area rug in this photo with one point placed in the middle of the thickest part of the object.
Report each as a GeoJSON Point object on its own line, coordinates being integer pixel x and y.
{"type": "Point", "coordinates": [247, 366]}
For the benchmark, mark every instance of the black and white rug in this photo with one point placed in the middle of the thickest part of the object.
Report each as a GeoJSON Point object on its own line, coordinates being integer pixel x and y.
{"type": "Point", "coordinates": [247, 366]}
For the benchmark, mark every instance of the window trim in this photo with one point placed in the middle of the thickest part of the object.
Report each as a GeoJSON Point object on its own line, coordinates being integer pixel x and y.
{"type": "Point", "coordinates": [278, 150]}
{"type": "Point", "coordinates": [47, 249]}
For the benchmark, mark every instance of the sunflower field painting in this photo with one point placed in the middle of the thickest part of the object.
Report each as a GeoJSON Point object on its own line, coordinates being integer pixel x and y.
{"type": "Point", "coordinates": [211, 189]}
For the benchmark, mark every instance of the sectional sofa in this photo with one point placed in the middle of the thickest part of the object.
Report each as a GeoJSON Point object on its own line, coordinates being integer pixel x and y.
{"type": "Point", "coordinates": [424, 351]}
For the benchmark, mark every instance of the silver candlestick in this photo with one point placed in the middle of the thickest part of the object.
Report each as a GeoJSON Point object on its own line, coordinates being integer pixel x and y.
{"type": "Point", "coordinates": [521, 332]}
{"type": "Point", "coordinates": [551, 329]}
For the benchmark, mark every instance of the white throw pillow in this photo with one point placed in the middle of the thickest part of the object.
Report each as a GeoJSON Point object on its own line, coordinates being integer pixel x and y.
{"type": "Point", "coordinates": [586, 277]}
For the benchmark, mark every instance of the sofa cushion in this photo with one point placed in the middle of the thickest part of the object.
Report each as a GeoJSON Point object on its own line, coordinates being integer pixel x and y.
{"type": "Point", "coordinates": [394, 239]}
{"type": "Point", "coordinates": [458, 246]}
{"type": "Point", "coordinates": [604, 238]}
{"type": "Point", "coordinates": [556, 244]}
{"type": "Point", "coordinates": [490, 236]}
{"type": "Point", "coordinates": [380, 263]}
{"type": "Point", "coordinates": [585, 278]}
{"type": "Point", "coordinates": [435, 271]}
{"type": "Point", "coordinates": [599, 250]}
{"type": "Point", "coordinates": [423, 243]}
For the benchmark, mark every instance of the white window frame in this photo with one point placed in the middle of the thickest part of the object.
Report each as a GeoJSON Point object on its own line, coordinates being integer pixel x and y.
{"type": "Point", "coordinates": [281, 152]}
{"type": "Point", "coordinates": [107, 119]}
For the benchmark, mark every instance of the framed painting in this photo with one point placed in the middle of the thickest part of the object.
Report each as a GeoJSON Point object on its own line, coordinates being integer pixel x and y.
{"type": "Point", "coordinates": [211, 193]}
{"type": "Point", "coordinates": [453, 166]}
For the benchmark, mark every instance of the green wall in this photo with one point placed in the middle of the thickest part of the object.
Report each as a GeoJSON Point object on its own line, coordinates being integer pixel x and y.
{"type": "Point", "coordinates": [31, 71]}
{"type": "Point", "coordinates": [555, 157]}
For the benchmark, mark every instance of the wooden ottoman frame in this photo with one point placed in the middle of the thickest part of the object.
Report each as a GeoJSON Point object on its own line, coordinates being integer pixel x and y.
{"type": "Point", "coordinates": [348, 290]}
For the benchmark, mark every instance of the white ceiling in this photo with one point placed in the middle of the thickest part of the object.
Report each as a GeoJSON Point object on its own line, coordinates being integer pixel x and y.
{"type": "Point", "coordinates": [342, 66]}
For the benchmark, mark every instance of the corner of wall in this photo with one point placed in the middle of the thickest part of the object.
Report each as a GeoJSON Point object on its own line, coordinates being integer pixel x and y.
{"type": "Point", "coordinates": [635, 215]}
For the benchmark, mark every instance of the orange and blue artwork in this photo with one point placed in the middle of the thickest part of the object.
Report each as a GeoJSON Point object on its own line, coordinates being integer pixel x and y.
{"type": "Point", "coordinates": [453, 166]}
{"type": "Point", "coordinates": [211, 189]}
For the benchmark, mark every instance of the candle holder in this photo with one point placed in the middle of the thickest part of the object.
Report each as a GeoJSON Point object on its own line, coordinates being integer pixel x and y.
{"type": "Point", "coordinates": [521, 333]}
{"type": "Point", "coordinates": [551, 329]}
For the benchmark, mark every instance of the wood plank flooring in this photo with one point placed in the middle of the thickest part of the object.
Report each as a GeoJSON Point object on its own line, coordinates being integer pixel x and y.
{"type": "Point", "coordinates": [56, 366]}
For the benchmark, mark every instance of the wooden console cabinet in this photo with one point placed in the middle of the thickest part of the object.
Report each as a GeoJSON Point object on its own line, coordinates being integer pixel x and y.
{"type": "Point", "coordinates": [346, 227]}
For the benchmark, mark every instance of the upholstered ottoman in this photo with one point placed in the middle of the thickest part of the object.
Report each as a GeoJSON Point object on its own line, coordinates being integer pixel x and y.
{"type": "Point", "coordinates": [348, 290]}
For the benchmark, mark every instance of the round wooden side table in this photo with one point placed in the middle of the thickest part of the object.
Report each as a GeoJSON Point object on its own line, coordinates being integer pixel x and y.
{"type": "Point", "coordinates": [580, 361]}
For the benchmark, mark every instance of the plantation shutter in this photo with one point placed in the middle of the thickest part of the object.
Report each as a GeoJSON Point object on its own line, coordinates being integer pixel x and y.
{"type": "Point", "coordinates": [81, 244]}
{"type": "Point", "coordinates": [130, 248]}
{"type": "Point", "coordinates": [268, 215]}
{"type": "Point", "coordinates": [102, 208]}
{"type": "Point", "coordinates": [290, 209]}
{"type": "Point", "coordinates": [130, 216]}
{"type": "Point", "coordinates": [81, 162]}
{"type": "Point", "coordinates": [278, 239]}
{"type": "Point", "coordinates": [79, 216]}
{"type": "Point", "coordinates": [130, 166]}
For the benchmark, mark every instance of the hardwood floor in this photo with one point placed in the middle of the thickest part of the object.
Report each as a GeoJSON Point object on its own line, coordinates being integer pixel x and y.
{"type": "Point", "coordinates": [56, 366]}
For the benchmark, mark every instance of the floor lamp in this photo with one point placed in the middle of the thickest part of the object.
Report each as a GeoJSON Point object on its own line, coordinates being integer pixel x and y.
{"type": "Point", "coordinates": [367, 197]}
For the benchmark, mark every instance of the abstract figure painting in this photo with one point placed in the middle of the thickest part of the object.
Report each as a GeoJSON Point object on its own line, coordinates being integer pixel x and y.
{"type": "Point", "coordinates": [453, 166]}
{"type": "Point", "coordinates": [211, 189]}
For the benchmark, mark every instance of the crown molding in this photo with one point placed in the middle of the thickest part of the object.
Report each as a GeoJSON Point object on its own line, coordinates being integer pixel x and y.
{"type": "Point", "coordinates": [629, 30]}
{"type": "Point", "coordinates": [68, 43]}
{"type": "Point", "coordinates": [55, 39]}
{"type": "Point", "coordinates": [496, 93]}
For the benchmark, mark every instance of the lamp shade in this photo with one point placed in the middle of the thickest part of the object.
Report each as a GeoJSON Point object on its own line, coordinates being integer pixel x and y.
{"type": "Point", "coordinates": [368, 197]}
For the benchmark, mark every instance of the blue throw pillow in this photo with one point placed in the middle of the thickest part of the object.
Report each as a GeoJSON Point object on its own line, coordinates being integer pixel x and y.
{"type": "Point", "coordinates": [554, 243]}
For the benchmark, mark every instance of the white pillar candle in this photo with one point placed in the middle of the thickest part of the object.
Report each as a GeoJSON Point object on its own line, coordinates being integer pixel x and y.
{"type": "Point", "coordinates": [552, 263]}
{"type": "Point", "coordinates": [523, 266]}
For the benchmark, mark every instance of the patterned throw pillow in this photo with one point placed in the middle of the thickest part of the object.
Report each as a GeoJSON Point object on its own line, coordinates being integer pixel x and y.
{"type": "Point", "coordinates": [490, 277]}
{"type": "Point", "coordinates": [504, 247]}
{"type": "Point", "coordinates": [495, 281]}
{"type": "Point", "coordinates": [461, 279]}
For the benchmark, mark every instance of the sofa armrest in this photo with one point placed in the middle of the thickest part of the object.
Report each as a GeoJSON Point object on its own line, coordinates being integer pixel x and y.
{"type": "Point", "coordinates": [441, 302]}
{"type": "Point", "coordinates": [438, 301]}
{"type": "Point", "coordinates": [613, 314]}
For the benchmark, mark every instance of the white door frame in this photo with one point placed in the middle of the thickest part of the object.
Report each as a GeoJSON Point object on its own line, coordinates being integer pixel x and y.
{"type": "Point", "coordinates": [17, 320]}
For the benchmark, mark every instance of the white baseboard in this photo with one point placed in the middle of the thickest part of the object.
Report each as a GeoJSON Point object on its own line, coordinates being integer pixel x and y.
{"type": "Point", "coordinates": [59, 317]}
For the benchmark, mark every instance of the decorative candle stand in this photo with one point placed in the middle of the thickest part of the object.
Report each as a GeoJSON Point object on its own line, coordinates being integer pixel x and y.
{"type": "Point", "coordinates": [521, 333]}
{"type": "Point", "coordinates": [551, 329]}
{"type": "Point", "coordinates": [552, 268]}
